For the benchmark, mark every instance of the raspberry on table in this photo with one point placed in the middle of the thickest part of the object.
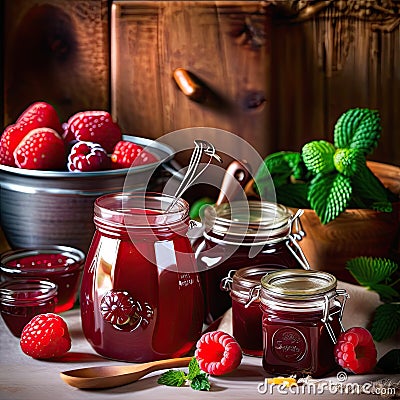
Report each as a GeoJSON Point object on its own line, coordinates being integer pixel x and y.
{"type": "Point", "coordinates": [87, 156]}
{"type": "Point", "coordinates": [355, 351]}
{"type": "Point", "coordinates": [127, 154]}
{"type": "Point", "coordinates": [218, 353]}
{"type": "Point", "coordinates": [45, 336]}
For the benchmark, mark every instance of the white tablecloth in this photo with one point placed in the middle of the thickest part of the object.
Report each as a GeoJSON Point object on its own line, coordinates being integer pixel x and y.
{"type": "Point", "coordinates": [23, 378]}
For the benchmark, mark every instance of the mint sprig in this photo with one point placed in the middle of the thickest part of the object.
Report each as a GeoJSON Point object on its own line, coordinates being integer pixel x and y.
{"type": "Point", "coordinates": [197, 379]}
{"type": "Point", "coordinates": [329, 178]}
{"type": "Point", "coordinates": [377, 274]}
{"type": "Point", "coordinates": [172, 378]}
{"type": "Point", "coordinates": [200, 382]}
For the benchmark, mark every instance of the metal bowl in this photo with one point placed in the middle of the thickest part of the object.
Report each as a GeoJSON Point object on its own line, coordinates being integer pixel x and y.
{"type": "Point", "coordinates": [53, 207]}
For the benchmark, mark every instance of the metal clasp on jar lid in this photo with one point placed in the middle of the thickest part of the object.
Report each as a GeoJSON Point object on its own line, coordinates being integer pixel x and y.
{"type": "Point", "coordinates": [328, 316]}
{"type": "Point", "coordinates": [226, 282]}
{"type": "Point", "coordinates": [297, 235]}
{"type": "Point", "coordinates": [254, 294]}
{"type": "Point", "coordinates": [244, 281]}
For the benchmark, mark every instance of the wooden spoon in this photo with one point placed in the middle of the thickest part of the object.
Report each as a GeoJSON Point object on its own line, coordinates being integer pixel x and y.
{"type": "Point", "coordinates": [236, 176]}
{"type": "Point", "coordinates": [117, 375]}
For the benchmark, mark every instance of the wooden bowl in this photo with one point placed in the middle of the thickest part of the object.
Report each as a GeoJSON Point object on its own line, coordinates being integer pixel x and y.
{"type": "Point", "coordinates": [354, 233]}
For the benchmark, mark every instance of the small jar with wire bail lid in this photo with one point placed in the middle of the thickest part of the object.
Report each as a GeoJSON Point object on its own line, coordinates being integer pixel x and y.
{"type": "Point", "coordinates": [241, 234]}
{"type": "Point", "coordinates": [244, 287]}
{"type": "Point", "coordinates": [301, 319]}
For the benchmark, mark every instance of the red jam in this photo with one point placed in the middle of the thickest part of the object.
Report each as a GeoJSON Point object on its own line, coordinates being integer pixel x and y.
{"type": "Point", "coordinates": [141, 297]}
{"type": "Point", "coordinates": [258, 236]}
{"type": "Point", "coordinates": [298, 339]}
{"type": "Point", "coordinates": [21, 300]}
{"type": "Point", "coordinates": [246, 313]}
{"type": "Point", "coordinates": [59, 264]}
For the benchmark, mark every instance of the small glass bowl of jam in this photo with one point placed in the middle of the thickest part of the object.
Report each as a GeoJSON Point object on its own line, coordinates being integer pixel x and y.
{"type": "Point", "coordinates": [61, 265]}
{"type": "Point", "coordinates": [21, 300]}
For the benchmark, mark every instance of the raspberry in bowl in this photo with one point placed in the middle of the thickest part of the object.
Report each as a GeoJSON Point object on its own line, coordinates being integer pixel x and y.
{"type": "Point", "coordinates": [53, 207]}
{"type": "Point", "coordinates": [61, 265]}
{"type": "Point", "coordinates": [21, 300]}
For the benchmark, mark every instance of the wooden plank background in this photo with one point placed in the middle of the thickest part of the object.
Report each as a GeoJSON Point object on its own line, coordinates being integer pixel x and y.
{"type": "Point", "coordinates": [56, 51]}
{"type": "Point", "coordinates": [310, 64]}
{"type": "Point", "coordinates": [209, 39]}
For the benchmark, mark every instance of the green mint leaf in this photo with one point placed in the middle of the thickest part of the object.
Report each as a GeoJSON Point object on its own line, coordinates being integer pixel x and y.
{"type": "Point", "coordinates": [370, 190]}
{"type": "Point", "coordinates": [280, 167]}
{"type": "Point", "coordinates": [194, 369]}
{"type": "Point", "coordinates": [386, 321]}
{"type": "Point", "coordinates": [386, 293]}
{"type": "Point", "coordinates": [348, 161]}
{"type": "Point", "coordinates": [283, 163]}
{"type": "Point", "coordinates": [390, 362]}
{"type": "Point", "coordinates": [369, 271]}
{"type": "Point", "coordinates": [329, 195]}
{"type": "Point", "coordinates": [293, 195]}
{"type": "Point", "coordinates": [318, 156]}
{"type": "Point", "coordinates": [200, 382]}
{"type": "Point", "coordinates": [358, 128]}
{"type": "Point", "coordinates": [172, 378]}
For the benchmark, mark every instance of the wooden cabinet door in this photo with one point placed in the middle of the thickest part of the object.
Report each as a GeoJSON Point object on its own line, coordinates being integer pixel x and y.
{"type": "Point", "coordinates": [225, 45]}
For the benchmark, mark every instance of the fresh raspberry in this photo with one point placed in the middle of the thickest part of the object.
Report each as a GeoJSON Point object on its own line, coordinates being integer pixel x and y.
{"type": "Point", "coordinates": [93, 126]}
{"type": "Point", "coordinates": [40, 115]}
{"type": "Point", "coordinates": [37, 115]}
{"type": "Point", "coordinates": [127, 153]}
{"type": "Point", "coordinates": [42, 149]}
{"type": "Point", "coordinates": [9, 140]}
{"type": "Point", "coordinates": [45, 336]}
{"type": "Point", "coordinates": [117, 307]}
{"type": "Point", "coordinates": [88, 156]}
{"type": "Point", "coordinates": [218, 353]}
{"type": "Point", "coordinates": [355, 351]}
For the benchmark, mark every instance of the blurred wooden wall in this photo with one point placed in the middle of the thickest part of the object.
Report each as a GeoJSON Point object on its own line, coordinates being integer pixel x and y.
{"type": "Point", "coordinates": [320, 58]}
{"type": "Point", "coordinates": [56, 51]}
{"type": "Point", "coordinates": [329, 56]}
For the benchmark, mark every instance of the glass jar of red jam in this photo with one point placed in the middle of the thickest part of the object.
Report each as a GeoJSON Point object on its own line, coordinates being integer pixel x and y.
{"type": "Point", "coordinates": [301, 320]}
{"type": "Point", "coordinates": [141, 297]}
{"type": "Point", "coordinates": [242, 234]}
{"type": "Point", "coordinates": [62, 265]}
{"type": "Point", "coordinates": [21, 300]}
{"type": "Point", "coordinates": [244, 286]}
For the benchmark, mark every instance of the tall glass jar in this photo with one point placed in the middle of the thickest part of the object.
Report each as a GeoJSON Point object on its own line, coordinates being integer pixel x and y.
{"type": "Point", "coordinates": [141, 297]}
{"type": "Point", "coordinates": [242, 234]}
{"type": "Point", "coordinates": [301, 320]}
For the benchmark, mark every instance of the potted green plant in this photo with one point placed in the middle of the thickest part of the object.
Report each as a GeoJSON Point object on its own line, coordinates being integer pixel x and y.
{"type": "Point", "coordinates": [349, 211]}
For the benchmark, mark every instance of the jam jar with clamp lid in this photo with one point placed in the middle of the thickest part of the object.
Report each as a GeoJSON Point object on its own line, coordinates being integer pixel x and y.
{"type": "Point", "coordinates": [240, 234]}
{"type": "Point", "coordinates": [244, 286]}
{"type": "Point", "coordinates": [301, 320]}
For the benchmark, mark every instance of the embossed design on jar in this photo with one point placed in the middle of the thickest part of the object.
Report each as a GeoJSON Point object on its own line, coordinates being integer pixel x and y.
{"type": "Point", "coordinates": [123, 312]}
{"type": "Point", "coordinates": [289, 344]}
